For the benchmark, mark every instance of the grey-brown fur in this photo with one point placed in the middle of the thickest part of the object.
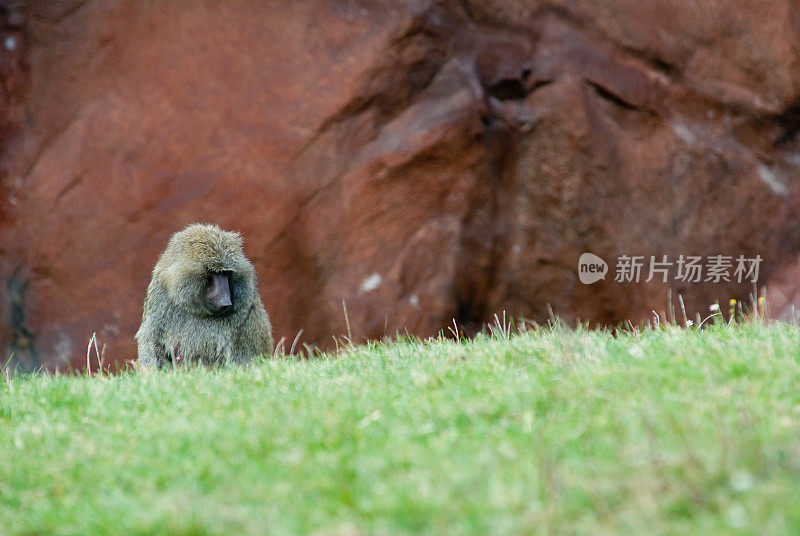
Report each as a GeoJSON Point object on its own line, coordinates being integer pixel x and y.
{"type": "Point", "coordinates": [177, 326]}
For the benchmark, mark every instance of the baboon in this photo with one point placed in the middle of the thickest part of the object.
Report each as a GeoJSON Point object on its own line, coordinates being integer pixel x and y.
{"type": "Point", "coordinates": [202, 304]}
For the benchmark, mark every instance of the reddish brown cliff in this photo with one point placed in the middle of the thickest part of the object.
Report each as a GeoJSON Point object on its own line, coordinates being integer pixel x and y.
{"type": "Point", "coordinates": [420, 161]}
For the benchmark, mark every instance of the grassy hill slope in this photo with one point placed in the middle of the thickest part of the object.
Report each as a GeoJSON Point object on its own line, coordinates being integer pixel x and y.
{"type": "Point", "coordinates": [549, 432]}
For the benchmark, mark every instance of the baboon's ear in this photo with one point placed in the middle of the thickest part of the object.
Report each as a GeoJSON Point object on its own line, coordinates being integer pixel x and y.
{"type": "Point", "coordinates": [170, 278]}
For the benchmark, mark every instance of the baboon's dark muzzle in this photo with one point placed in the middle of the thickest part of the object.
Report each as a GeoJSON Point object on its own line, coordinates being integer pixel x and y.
{"type": "Point", "coordinates": [218, 293]}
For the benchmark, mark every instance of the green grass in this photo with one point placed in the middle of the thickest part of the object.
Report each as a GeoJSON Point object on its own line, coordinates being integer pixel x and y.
{"type": "Point", "coordinates": [549, 432]}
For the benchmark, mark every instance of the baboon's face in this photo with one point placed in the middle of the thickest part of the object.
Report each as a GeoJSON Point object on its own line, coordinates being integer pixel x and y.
{"type": "Point", "coordinates": [217, 296]}
{"type": "Point", "coordinates": [205, 271]}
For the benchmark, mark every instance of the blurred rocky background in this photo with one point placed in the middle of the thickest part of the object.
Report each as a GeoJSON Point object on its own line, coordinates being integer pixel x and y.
{"type": "Point", "coordinates": [419, 161]}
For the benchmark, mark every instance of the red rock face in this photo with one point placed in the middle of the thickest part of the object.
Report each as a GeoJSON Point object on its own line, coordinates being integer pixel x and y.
{"type": "Point", "coordinates": [414, 162]}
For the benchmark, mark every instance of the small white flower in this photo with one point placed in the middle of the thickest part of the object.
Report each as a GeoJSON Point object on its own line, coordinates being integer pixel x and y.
{"type": "Point", "coordinates": [689, 323]}
{"type": "Point", "coordinates": [714, 307]}
{"type": "Point", "coordinates": [741, 480]}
